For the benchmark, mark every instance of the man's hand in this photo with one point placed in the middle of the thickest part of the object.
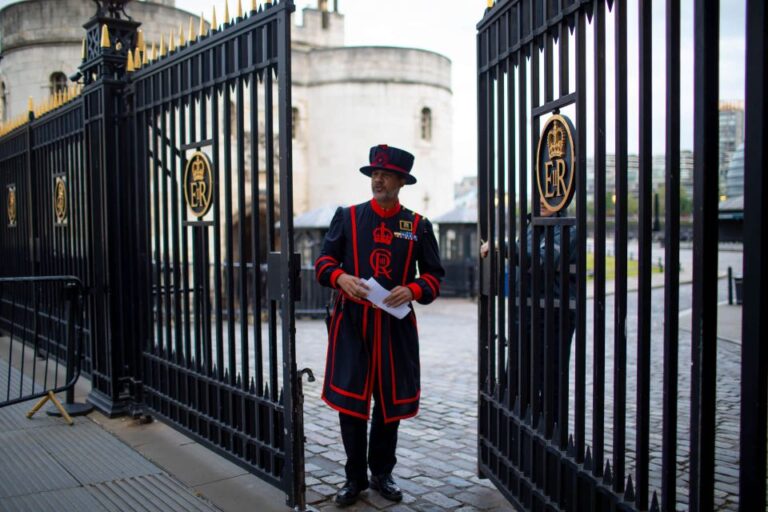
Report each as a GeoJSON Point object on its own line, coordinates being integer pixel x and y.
{"type": "Point", "coordinates": [398, 296]}
{"type": "Point", "coordinates": [353, 286]}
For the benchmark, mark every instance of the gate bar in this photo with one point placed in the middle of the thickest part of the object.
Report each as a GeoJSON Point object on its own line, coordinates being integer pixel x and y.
{"type": "Point", "coordinates": [598, 330]}
{"type": "Point", "coordinates": [671, 261]}
{"type": "Point", "coordinates": [705, 199]}
{"type": "Point", "coordinates": [645, 111]}
{"type": "Point", "coordinates": [620, 309]}
{"type": "Point", "coordinates": [754, 365]}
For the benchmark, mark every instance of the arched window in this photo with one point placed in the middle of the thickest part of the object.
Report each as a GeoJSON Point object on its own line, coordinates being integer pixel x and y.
{"type": "Point", "coordinates": [294, 122]}
{"type": "Point", "coordinates": [58, 82]}
{"type": "Point", "coordinates": [426, 124]}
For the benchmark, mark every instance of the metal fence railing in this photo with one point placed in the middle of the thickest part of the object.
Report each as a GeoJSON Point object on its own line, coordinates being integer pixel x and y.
{"type": "Point", "coordinates": [41, 333]}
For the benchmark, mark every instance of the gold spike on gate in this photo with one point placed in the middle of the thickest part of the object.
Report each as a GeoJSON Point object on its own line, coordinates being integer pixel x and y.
{"type": "Point", "coordinates": [140, 39]}
{"type": "Point", "coordinates": [226, 12]}
{"type": "Point", "coordinates": [201, 29]}
{"type": "Point", "coordinates": [191, 33]}
{"type": "Point", "coordinates": [162, 46]}
{"type": "Point", "coordinates": [182, 41]}
{"type": "Point", "coordinates": [214, 26]}
{"type": "Point", "coordinates": [129, 63]}
{"type": "Point", "coordinates": [253, 6]}
{"type": "Point", "coordinates": [171, 46]}
{"type": "Point", "coordinates": [239, 9]}
{"type": "Point", "coordinates": [137, 58]}
{"type": "Point", "coordinates": [105, 37]}
{"type": "Point", "coordinates": [154, 52]}
{"type": "Point", "coordinates": [30, 105]}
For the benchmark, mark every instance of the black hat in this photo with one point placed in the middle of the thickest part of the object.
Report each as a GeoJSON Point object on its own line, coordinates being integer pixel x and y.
{"type": "Point", "coordinates": [388, 158]}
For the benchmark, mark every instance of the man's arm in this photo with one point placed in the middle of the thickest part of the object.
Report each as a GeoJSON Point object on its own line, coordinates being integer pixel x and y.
{"type": "Point", "coordinates": [426, 287]}
{"type": "Point", "coordinates": [328, 264]}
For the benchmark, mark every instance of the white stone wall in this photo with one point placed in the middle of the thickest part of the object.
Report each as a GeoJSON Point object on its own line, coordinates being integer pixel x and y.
{"type": "Point", "coordinates": [359, 97]}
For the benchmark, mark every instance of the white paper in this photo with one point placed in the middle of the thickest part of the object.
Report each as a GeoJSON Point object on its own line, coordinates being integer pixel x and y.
{"type": "Point", "coordinates": [378, 293]}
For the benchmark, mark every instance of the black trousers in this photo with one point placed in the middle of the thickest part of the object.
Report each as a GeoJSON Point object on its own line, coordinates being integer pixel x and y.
{"type": "Point", "coordinates": [380, 449]}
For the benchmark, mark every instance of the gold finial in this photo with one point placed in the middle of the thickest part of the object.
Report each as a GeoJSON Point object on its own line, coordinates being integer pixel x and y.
{"type": "Point", "coordinates": [201, 30]}
{"type": "Point", "coordinates": [140, 39]}
{"type": "Point", "coordinates": [191, 33]}
{"type": "Point", "coordinates": [214, 26]}
{"type": "Point", "coordinates": [267, 3]}
{"type": "Point", "coordinates": [105, 37]}
{"type": "Point", "coordinates": [182, 42]}
{"type": "Point", "coordinates": [490, 3]}
{"type": "Point", "coordinates": [253, 5]}
{"type": "Point", "coordinates": [85, 50]}
{"type": "Point", "coordinates": [154, 52]}
{"type": "Point", "coordinates": [171, 44]}
{"type": "Point", "coordinates": [129, 63]}
{"type": "Point", "coordinates": [144, 57]}
{"type": "Point", "coordinates": [30, 105]}
{"type": "Point", "coordinates": [162, 47]}
{"type": "Point", "coordinates": [226, 12]}
{"type": "Point", "coordinates": [239, 8]}
{"type": "Point", "coordinates": [137, 58]}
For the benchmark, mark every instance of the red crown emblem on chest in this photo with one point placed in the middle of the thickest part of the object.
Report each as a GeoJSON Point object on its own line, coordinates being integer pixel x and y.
{"type": "Point", "coordinates": [382, 235]}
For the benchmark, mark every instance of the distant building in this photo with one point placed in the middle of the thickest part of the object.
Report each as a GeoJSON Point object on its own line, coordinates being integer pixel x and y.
{"type": "Point", "coordinates": [731, 133]}
{"type": "Point", "coordinates": [734, 175]}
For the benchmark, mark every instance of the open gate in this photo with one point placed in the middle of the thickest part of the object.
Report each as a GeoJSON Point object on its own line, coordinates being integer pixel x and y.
{"type": "Point", "coordinates": [584, 402]}
{"type": "Point", "coordinates": [212, 136]}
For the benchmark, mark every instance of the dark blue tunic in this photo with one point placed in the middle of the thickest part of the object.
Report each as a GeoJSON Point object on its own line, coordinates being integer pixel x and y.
{"type": "Point", "coordinates": [369, 350]}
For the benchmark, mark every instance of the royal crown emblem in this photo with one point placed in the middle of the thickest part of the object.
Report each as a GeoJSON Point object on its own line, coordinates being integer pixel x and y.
{"type": "Point", "coordinates": [556, 141]}
{"type": "Point", "coordinates": [382, 235]}
{"type": "Point", "coordinates": [198, 169]}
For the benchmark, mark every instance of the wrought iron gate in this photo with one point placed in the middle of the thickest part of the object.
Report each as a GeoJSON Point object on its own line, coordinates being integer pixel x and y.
{"type": "Point", "coordinates": [160, 181]}
{"type": "Point", "coordinates": [578, 411]}
{"type": "Point", "coordinates": [213, 154]}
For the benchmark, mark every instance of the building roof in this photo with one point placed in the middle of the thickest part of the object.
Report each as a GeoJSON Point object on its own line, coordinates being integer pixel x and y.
{"type": "Point", "coordinates": [317, 218]}
{"type": "Point", "coordinates": [459, 215]}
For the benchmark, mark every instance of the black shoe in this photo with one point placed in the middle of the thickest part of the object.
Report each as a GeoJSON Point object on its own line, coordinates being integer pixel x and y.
{"type": "Point", "coordinates": [386, 487]}
{"type": "Point", "coordinates": [348, 494]}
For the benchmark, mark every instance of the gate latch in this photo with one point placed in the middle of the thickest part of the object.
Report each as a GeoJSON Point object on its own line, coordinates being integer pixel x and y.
{"type": "Point", "coordinates": [278, 273]}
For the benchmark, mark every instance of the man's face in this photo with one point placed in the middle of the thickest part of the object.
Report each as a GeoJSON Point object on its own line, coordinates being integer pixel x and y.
{"type": "Point", "coordinates": [385, 186]}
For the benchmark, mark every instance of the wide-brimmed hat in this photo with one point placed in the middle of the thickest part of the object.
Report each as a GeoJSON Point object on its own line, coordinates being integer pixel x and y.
{"type": "Point", "coordinates": [388, 158]}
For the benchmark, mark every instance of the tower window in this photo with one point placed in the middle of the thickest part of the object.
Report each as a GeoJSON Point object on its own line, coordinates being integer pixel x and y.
{"type": "Point", "coordinates": [294, 122]}
{"type": "Point", "coordinates": [58, 82]}
{"type": "Point", "coordinates": [426, 124]}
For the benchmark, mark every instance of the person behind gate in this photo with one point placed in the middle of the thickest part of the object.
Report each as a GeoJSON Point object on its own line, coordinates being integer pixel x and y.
{"type": "Point", "coordinates": [372, 354]}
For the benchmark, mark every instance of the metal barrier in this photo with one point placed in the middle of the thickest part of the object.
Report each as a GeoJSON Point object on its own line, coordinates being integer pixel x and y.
{"type": "Point", "coordinates": [40, 340]}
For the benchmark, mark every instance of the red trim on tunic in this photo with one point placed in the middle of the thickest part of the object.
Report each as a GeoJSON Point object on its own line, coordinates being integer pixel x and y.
{"type": "Point", "coordinates": [395, 400]}
{"type": "Point", "coordinates": [410, 249]}
{"type": "Point", "coordinates": [432, 282]}
{"type": "Point", "coordinates": [320, 272]}
{"type": "Point", "coordinates": [353, 216]}
{"type": "Point", "coordinates": [335, 276]}
{"type": "Point", "coordinates": [356, 396]}
{"type": "Point", "coordinates": [323, 258]}
{"type": "Point", "coordinates": [416, 290]}
{"type": "Point", "coordinates": [381, 212]}
{"type": "Point", "coordinates": [343, 410]}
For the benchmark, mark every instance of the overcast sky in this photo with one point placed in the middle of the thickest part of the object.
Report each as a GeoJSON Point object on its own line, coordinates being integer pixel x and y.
{"type": "Point", "coordinates": [448, 27]}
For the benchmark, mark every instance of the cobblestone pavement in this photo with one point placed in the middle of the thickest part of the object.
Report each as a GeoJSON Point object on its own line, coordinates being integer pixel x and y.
{"type": "Point", "coordinates": [437, 449]}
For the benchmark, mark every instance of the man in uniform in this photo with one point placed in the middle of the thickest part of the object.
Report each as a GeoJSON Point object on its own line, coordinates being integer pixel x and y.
{"type": "Point", "coordinates": [372, 353]}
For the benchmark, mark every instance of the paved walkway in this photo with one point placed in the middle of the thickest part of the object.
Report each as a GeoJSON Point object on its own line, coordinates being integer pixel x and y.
{"type": "Point", "coordinates": [51, 465]}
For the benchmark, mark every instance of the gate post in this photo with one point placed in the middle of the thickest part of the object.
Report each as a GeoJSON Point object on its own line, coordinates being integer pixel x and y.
{"type": "Point", "coordinates": [110, 36]}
